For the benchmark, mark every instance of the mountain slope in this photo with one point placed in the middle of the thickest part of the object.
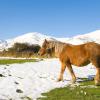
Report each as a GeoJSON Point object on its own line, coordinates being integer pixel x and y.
{"type": "Point", "coordinates": [38, 38]}
{"type": "Point", "coordinates": [3, 44]}
{"type": "Point", "coordinates": [30, 38]}
{"type": "Point", "coordinates": [79, 39]}
{"type": "Point", "coordinates": [92, 35]}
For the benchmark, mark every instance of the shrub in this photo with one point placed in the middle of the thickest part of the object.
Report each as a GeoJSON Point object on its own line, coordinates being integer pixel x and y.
{"type": "Point", "coordinates": [21, 50]}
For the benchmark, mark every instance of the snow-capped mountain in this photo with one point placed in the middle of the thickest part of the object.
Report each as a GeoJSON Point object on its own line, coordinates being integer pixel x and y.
{"type": "Point", "coordinates": [80, 39]}
{"type": "Point", "coordinates": [3, 44]}
{"type": "Point", "coordinates": [38, 38]}
{"type": "Point", "coordinates": [30, 38]}
{"type": "Point", "coordinates": [92, 36]}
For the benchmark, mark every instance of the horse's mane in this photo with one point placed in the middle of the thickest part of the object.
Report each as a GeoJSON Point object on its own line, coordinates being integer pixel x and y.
{"type": "Point", "coordinates": [57, 45]}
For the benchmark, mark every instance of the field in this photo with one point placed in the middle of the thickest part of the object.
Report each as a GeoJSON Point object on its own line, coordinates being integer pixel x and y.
{"type": "Point", "coordinates": [13, 61]}
{"type": "Point", "coordinates": [86, 90]}
{"type": "Point", "coordinates": [26, 79]}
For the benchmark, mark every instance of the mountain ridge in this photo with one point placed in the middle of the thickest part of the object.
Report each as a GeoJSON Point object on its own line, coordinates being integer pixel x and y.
{"type": "Point", "coordinates": [38, 38]}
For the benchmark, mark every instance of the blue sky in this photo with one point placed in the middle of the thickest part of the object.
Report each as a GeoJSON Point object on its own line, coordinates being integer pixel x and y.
{"type": "Point", "coordinates": [60, 18]}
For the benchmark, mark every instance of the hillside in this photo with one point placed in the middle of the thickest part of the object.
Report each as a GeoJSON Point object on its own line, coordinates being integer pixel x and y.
{"type": "Point", "coordinates": [38, 38]}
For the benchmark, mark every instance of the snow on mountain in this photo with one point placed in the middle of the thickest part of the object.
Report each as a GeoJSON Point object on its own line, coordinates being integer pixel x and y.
{"type": "Point", "coordinates": [30, 38]}
{"type": "Point", "coordinates": [62, 39]}
{"type": "Point", "coordinates": [3, 44]}
{"type": "Point", "coordinates": [38, 38]}
{"type": "Point", "coordinates": [92, 36]}
{"type": "Point", "coordinates": [80, 39]}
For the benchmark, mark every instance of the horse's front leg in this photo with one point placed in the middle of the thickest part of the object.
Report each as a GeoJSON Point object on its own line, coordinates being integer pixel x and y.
{"type": "Point", "coordinates": [69, 67]}
{"type": "Point", "coordinates": [97, 77]}
{"type": "Point", "coordinates": [63, 67]}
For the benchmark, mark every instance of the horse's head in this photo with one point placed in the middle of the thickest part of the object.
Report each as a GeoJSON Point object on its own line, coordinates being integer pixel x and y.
{"type": "Point", "coordinates": [45, 48]}
{"type": "Point", "coordinates": [51, 48]}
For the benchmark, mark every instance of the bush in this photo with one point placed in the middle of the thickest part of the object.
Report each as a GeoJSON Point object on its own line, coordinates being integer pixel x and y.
{"type": "Point", "coordinates": [20, 47]}
{"type": "Point", "coordinates": [21, 50]}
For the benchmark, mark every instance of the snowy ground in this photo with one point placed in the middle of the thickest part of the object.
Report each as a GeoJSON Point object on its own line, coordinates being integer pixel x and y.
{"type": "Point", "coordinates": [31, 79]}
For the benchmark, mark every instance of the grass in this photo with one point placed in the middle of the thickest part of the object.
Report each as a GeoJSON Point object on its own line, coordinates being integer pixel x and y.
{"type": "Point", "coordinates": [12, 61]}
{"type": "Point", "coordinates": [82, 92]}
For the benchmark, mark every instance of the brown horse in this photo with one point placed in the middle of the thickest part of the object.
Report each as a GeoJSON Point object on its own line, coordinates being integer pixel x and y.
{"type": "Point", "coordinates": [79, 55]}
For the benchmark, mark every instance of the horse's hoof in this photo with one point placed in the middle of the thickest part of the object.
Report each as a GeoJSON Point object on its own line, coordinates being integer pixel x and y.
{"type": "Point", "coordinates": [97, 83]}
{"type": "Point", "coordinates": [58, 80]}
{"type": "Point", "coordinates": [73, 81]}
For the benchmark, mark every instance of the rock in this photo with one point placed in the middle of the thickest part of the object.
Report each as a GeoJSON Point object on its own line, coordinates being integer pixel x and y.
{"type": "Point", "coordinates": [19, 91]}
{"type": "Point", "coordinates": [2, 75]}
{"type": "Point", "coordinates": [16, 82]}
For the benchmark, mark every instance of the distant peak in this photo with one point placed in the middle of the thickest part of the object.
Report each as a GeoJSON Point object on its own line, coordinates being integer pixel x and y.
{"type": "Point", "coordinates": [32, 34]}
{"type": "Point", "coordinates": [93, 34]}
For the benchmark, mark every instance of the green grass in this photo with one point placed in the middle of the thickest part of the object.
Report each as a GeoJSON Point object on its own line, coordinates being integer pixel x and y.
{"type": "Point", "coordinates": [82, 92]}
{"type": "Point", "coordinates": [12, 61]}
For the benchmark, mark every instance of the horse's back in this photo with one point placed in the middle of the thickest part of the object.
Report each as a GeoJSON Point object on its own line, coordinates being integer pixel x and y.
{"type": "Point", "coordinates": [89, 47]}
{"type": "Point", "coordinates": [80, 55]}
{"type": "Point", "coordinates": [92, 48]}
{"type": "Point", "coordinates": [75, 54]}
{"type": "Point", "coordinates": [86, 48]}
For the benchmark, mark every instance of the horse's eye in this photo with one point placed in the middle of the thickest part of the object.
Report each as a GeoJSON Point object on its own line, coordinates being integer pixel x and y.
{"type": "Point", "coordinates": [48, 50]}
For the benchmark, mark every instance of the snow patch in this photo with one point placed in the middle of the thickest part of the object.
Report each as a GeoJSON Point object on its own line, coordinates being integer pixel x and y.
{"type": "Point", "coordinates": [32, 79]}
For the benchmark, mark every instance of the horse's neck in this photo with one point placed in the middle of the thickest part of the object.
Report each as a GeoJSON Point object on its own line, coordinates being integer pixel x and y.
{"type": "Point", "coordinates": [58, 48]}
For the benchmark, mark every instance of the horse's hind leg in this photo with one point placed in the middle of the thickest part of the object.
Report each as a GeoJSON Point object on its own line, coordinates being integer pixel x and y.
{"type": "Point", "coordinates": [71, 72]}
{"type": "Point", "coordinates": [96, 62]}
{"type": "Point", "coordinates": [63, 67]}
{"type": "Point", "coordinates": [97, 77]}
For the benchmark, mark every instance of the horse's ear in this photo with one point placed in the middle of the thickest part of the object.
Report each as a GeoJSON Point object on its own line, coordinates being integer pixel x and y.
{"type": "Point", "coordinates": [45, 41]}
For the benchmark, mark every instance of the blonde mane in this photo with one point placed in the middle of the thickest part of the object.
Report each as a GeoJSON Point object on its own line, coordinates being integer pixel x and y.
{"type": "Point", "coordinates": [57, 45]}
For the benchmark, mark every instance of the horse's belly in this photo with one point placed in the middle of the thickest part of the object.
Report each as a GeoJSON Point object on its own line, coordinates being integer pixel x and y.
{"type": "Point", "coordinates": [80, 63]}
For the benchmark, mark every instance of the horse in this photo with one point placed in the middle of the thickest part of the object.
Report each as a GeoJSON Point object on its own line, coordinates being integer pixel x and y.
{"type": "Point", "coordinates": [78, 55]}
